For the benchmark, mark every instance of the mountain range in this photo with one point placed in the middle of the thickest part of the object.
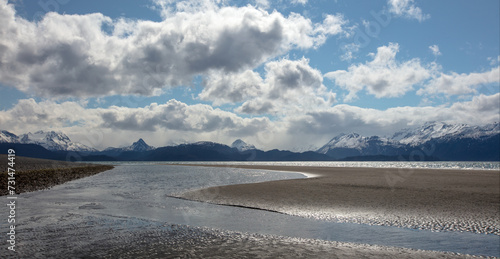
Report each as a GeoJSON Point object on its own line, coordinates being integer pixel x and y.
{"type": "Point", "coordinates": [432, 141]}
{"type": "Point", "coordinates": [51, 140]}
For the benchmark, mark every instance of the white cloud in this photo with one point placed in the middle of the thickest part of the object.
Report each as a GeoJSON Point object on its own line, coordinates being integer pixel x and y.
{"type": "Point", "coordinates": [175, 115]}
{"type": "Point", "coordinates": [289, 86]}
{"type": "Point", "coordinates": [168, 8]}
{"type": "Point", "coordinates": [406, 8]}
{"type": "Point", "coordinates": [262, 4]}
{"type": "Point", "coordinates": [435, 50]}
{"type": "Point", "coordinates": [383, 76]}
{"type": "Point", "coordinates": [460, 84]}
{"type": "Point", "coordinates": [222, 88]}
{"type": "Point", "coordinates": [350, 50]}
{"type": "Point", "coordinates": [192, 122]}
{"type": "Point", "coordinates": [344, 118]}
{"type": "Point", "coordinates": [302, 2]}
{"type": "Point", "coordinates": [27, 114]}
{"type": "Point", "coordinates": [176, 122]}
{"type": "Point", "coordinates": [332, 25]}
{"type": "Point", "coordinates": [71, 56]}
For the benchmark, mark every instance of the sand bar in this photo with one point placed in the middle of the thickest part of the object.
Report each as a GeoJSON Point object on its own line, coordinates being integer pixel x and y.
{"type": "Point", "coordinates": [435, 199]}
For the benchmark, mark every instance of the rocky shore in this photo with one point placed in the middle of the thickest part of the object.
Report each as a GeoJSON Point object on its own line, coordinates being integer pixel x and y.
{"type": "Point", "coordinates": [32, 174]}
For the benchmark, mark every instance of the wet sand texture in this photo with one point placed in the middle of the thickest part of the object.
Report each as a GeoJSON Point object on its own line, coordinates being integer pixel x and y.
{"type": "Point", "coordinates": [455, 200]}
{"type": "Point", "coordinates": [139, 240]}
{"type": "Point", "coordinates": [32, 174]}
{"type": "Point", "coordinates": [185, 242]}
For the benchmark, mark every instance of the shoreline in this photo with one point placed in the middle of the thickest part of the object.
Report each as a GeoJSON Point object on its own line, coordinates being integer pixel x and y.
{"type": "Point", "coordinates": [452, 200]}
{"type": "Point", "coordinates": [33, 174]}
{"type": "Point", "coordinates": [339, 164]}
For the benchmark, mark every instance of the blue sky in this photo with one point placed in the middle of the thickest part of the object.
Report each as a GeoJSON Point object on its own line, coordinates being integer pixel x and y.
{"type": "Point", "coordinates": [280, 74]}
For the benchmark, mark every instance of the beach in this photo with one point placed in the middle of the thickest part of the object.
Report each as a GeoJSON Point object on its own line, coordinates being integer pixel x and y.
{"type": "Point", "coordinates": [432, 199]}
{"type": "Point", "coordinates": [132, 223]}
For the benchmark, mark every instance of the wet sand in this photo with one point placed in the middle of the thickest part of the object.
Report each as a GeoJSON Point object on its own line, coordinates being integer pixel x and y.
{"type": "Point", "coordinates": [141, 239]}
{"type": "Point", "coordinates": [452, 200]}
{"type": "Point", "coordinates": [33, 174]}
{"type": "Point", "coordinates": [189, 242]}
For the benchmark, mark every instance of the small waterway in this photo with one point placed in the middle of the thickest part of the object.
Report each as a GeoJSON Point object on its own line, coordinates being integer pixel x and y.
{"type": "Point", "coordinates": [135, 197]}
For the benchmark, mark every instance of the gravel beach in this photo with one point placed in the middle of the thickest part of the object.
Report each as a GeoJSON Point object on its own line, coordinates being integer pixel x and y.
{"type": "Point", "coordinates": [451, 200]}
{"type": "Point", "coordinates": [32, 174]}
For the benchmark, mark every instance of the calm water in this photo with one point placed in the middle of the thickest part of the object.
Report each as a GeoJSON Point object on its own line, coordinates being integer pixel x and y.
{"type": "Point", "coordinates": [134, 197]}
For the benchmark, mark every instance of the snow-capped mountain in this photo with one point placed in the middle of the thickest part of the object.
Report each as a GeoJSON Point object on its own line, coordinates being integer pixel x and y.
{"type": "Point", "coordinates": [242, 145]}
{"type": "Point", "coordinates": [139, 146]}
{"type": "Point", "coordinates": [434, 139]}
{"type": "Point", "coordinates": [55, 141]}
{"type": "Point", "coordinates": [440, 130]}
{"type": "Point", "coordinates": [351, 140]}
{"type": "Point", "coordinates": [346, 145]}
{"type": "Point", "coordinates": [7, 137]}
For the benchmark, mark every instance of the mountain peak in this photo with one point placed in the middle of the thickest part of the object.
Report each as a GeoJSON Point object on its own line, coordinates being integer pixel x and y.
{"type": "Point", "coordinates": [351, 140]}
{"type": "Point", "coordinates": [140, 145]}
{"type": "Point", "coordinates": [53, 140]}
{"type": "Point", "coordinates": [242, 145]}
{"type": "Point", "coordinates": [8, 137]}
{"type": "Point", "coordinates": [441, 130]}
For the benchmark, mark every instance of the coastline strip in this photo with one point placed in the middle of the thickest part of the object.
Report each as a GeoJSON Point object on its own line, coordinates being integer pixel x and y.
{"type": "Point", "coordinates": [34, 174]}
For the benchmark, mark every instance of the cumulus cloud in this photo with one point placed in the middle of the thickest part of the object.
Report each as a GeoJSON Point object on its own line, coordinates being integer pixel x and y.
{"type": "Point", "coordinates": [288, 86]}
{"type": "Point", "coordinates": [28, 114]}
{"type": "Point", "coordinates": [222, 88]}
{"type": "Point", "coordinates": [175, 115]}
{"type": "Point", "coordinates": [460, 84]}
{"type": "Point", "coordinates": [71, 56]}
{"type": "Point", "coordinates": [175, 122]}
{"type": "Point", "coordinates": [406, 8]}
{"type": "Point", "coordinates": [383, 76]}
{"type": "Point", "coordinates": [344, 118]}
{"type": "Point", "coordinates": [196, 121]}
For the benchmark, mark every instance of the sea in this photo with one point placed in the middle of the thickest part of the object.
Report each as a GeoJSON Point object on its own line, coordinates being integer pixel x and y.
{"type": "Point", "coordinates": [88, 216]}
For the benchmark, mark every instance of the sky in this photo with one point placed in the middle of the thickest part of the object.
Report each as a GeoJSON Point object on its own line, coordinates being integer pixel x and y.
{"type": "Point", "coordinates": [277, 74]}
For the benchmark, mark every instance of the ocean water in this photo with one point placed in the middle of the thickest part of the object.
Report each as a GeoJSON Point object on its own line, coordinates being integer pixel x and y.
{"type": "Point", "coordinates": [385, 164]}
{"type": "Point", "coordinates": [134, 199]}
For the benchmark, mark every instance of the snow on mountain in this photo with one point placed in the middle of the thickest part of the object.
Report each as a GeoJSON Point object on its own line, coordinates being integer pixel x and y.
{"type": "Point", "coordinates": [301, 149]}
{"type": "Point", "coordinates": [402, 142]}
{"type": "Point", "coordinates": [139, 146]}
{"type": "Point", "coordinates": [440, 130]}
{"type": "Point", "coordinates": [242, 145]}
{"type": "Point", "coordinates": [55, 141]}
{"type": "Point", "coordinates": [351, 140]}
{"type": "Point", "coordinates": [7, 137]}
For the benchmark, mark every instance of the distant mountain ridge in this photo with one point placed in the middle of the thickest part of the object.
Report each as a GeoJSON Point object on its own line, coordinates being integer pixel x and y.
{"type": "Point", "coordinates": [431, 141]}
{"type": "Point", "coordinates": [440, 130]}
{"type": "Point", "coordinates": [434, 139]}
{"type": "Point", "coordinates": [51, 140]}
{"type": "Point", "coordinates": [139, 146]}
{"type": "Point", "coordinates": [242, 145]}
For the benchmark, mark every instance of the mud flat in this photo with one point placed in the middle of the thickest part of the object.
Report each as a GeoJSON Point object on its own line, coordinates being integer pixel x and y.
{"type": "Point", "coordinates": [32, 174]}
{"type": "Point", "coordinates": [146, 240]}
{"type": "Point", "coordinates": [188, 242]}
{"type": "Point", "coordinates": [433, 199]}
